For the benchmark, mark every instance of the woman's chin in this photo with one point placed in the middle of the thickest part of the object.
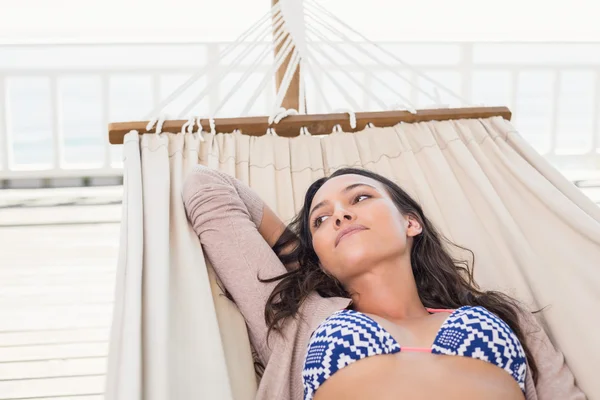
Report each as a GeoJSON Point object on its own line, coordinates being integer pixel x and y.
{"type": "Point", "coordinates": [356, 258]}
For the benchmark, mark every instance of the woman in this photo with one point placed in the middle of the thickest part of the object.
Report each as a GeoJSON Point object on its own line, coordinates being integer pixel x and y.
{"type": "Point", "coordinates": [362, 275]}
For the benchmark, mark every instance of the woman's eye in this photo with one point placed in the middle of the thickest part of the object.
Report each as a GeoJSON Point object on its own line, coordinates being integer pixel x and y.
{"type": "Point", "coordinates": [318, 221]}
{"type": "Point", "coordinates": [361, 197]}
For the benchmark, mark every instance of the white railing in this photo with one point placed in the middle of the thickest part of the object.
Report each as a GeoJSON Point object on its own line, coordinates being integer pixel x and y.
{"type": "Point", "coordinates": [57, 100]}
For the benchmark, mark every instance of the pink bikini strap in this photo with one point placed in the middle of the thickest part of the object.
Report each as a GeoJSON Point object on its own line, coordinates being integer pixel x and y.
{"type": "Point", "coordinates": [424, 349]}
{"type": "Point", "coordinates": [415, 349]}
{"type": "Point", "coordinates": [438, 310]}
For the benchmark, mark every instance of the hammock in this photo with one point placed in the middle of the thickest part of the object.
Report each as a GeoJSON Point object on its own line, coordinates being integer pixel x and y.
{"type": "Point", "coordinates": [535, 236]}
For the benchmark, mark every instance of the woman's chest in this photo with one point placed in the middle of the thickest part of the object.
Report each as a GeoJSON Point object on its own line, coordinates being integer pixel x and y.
{"type": "Point", "coordinates": [414, 333]}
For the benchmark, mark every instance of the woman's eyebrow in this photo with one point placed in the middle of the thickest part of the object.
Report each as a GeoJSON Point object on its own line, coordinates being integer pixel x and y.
{"type": "Point", "coordinates": [355, 185]}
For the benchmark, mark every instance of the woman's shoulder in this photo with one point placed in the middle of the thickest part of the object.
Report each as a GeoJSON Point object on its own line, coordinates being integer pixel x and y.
{"type": "Point", "coordinates": [315, 310]}
{"type": "Point", "coordinates": [345, 318]}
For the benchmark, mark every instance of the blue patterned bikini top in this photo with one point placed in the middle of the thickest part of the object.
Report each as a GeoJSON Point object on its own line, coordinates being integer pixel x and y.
{"type": "Point", "coordinates": [348, 336]}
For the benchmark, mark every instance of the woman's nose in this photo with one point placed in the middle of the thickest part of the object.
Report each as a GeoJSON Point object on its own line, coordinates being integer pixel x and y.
{"type": "Point", "coordinates": [341, 215]}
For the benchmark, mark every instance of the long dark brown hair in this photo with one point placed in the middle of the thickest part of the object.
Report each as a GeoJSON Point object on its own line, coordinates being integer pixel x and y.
{"type": "Point", "coordinates": [442, 281]}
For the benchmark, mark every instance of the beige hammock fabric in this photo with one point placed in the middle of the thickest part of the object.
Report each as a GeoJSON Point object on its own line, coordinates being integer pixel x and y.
{"type": "Point", "coordinates": [534, 235]}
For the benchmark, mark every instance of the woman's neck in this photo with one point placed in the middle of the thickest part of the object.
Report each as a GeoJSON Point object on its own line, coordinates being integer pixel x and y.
{"type": "Point", "coordinates": [388, 290]}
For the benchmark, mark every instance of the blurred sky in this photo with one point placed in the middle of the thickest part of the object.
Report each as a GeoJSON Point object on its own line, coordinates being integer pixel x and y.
{"type": "Point", "coordinates": [222, 20]}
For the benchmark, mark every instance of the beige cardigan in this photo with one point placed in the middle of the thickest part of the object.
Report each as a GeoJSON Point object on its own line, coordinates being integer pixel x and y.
{"type": "Point", "coordinates": [224, 214]}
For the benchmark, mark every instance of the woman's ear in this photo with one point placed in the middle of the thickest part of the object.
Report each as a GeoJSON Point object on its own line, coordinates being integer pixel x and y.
{"type": "Point", "coordinates": [413, 226]}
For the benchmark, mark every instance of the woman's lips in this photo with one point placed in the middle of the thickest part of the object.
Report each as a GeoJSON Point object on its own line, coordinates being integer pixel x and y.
{"type": "Point", "coordinates": [349, 231]}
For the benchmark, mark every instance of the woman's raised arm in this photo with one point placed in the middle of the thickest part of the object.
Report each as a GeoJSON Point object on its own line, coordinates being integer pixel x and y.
{"type": "Point", "coordinates": [225, 214]}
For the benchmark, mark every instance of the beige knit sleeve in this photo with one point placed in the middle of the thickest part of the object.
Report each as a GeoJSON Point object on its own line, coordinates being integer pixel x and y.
{"type": "Point", "coordinates": [225, 215]}
{"type": "Point", "coordinates": [555, 379]}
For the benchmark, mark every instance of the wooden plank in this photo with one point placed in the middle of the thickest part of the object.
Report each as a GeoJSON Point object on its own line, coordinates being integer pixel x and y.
{"type": "Point", "coordinates": [8, 271]}
{"type": "Point", "coordinates": [46, 297]}
{"type": "Point", "coordinates": [54, 337]}
{"type": "Point", "coordinates": [30, 264]}
{"type": "Point", "coordinates": [50, 279]}
{"type": "Point", "coordinates": [31, 321]}
{"type": "Point", "coordinates": [76, 397]}
{"type": "Point", "coordinates": [317, 124]}
{"type": "Point", "coordinates": [52, 368]}
{"type": "Point", "coordinates": [59, 214]}
{"type": "Point", "coordinates": [72, 298]}
{"type": "Point", "coordinates": [58, 245]}
{"type": "Point", "coordinates": [32, 388]}
{"type": "Point", "coordinates": [76, 275]}
{"type": "Point", "coordinates": [18, 291]}
{"type": "Point", "coordinates": [52, 352]}
{"type": "Point", "coordinates": [42, 312]}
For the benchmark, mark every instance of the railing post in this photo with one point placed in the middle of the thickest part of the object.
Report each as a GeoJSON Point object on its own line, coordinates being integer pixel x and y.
{"type": "Point", "coordinates": [212, 59]}
{"type": "Point", "coordinates": [368, 82]}
{"type": "Point", "coordinates": [4, 142]}
{"type": "Point", "coordinates": [105, 96]}
{"type": "Point", "coordinates": [466, 71]}
{"type": "Point", "coordinates": [596, 117]}
{"type": "Point", "coordinates": [555, 108]}
{"type": "Point", "coordinates": [57, 142]}
{"type": "Point", "coordinates": [514, 91]}
{"type": "Point", "coordinates": [414, 88]}
{"type": "Point", "coordinates": [155, 82]}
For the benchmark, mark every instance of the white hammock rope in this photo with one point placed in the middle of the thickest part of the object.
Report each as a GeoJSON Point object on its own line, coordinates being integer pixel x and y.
{"type": "Point", "coordinates": [315, 30]}
{"type": "Point", "coordinates": [285, 50]}
{"type": "Point", "coordinates": [158, 121]}
{"type": "Point", "coordinates": [302, 90]}
{"type": "Point", "coordinates": [257, 62]}
{"type": "Point", "coordinates": [188, 126]}
{"type": "Point", "coordinates": [341, 88]}
{"type": "Point", "coordinates": [319, 86]}
{"type": "Point", "coordinates": [318, 20]}
{"type": "Point", "coordinates": [387, 52]}
{"type": "Point", "coordinates": [217, 79]}
{"type": "Point", "coordinates": [366, 90]}
{"type": "Point", "coordinates": [356, 63]}
{"type": "Point", "coordinates": [351, 115]}
{"type": "Point", "coordinates": [281, 114]}
{"type": "Point", "coordinates": [225, 52]}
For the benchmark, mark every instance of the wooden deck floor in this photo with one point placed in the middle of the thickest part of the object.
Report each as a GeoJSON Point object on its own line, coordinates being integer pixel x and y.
{"type": "Point", "coordinates": [57, 271]}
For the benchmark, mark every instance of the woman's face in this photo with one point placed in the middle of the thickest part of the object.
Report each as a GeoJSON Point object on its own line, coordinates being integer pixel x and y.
{"type": "Point", "coordinates": [355, 225]}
